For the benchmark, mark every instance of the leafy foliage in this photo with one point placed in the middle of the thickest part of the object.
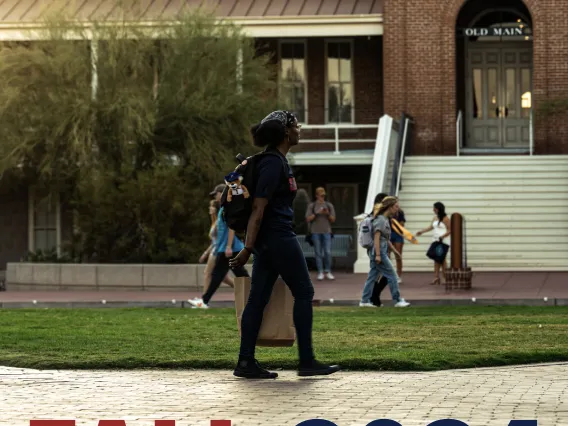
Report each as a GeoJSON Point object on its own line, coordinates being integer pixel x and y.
{"type": "Point", "coordinates": [138, 144]}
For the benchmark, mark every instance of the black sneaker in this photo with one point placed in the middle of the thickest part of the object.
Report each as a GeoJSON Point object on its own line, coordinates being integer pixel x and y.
{"type": "Point", "coordinates": [316, 368]}
{"type": "Point", "coordinates": [251, 369]}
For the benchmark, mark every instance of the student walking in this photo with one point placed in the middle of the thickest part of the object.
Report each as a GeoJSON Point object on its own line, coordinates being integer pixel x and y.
{"type": "Point", "coordinates": [380, 263]}
{"type": "Point", "coordinates": [226, 244]}
{"type": "Point", "coordinates": [208, 257]}
{"type": "Point", "coordinates": [320, 215]}
{"type": "Point", "coordinates": [271, 238]}
{"type": "Point", "coordinates": [397, 241]}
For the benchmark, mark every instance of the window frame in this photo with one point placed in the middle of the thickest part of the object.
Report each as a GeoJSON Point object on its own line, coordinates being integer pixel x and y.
{"type": "Point", "coordinates": [351, 43]}
{"type": "Point", "coordinates": [280, 82]}
{"type": "Point", "coordinates": [32, 200]}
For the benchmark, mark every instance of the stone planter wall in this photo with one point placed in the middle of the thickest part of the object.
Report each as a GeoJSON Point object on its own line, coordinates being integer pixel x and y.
{"type": "Point", "coordinates": [92, 277]}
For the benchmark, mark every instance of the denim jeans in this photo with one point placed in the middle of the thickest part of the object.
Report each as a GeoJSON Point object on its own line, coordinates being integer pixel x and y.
{"type": "Point", "coordinates": [322, 248]}
{"type": "Point", "coordinates": [386, 269]}
{"type": "Point", "coordinates": [274, 256]}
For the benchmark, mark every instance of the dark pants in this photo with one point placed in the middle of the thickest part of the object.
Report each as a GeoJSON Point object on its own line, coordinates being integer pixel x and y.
{"type": "Point", "coordinates": [377, 290]}
{"type": "Point", "coordinates": [219, 272]}
{"type": "Point", "coordinates": [279, 255]}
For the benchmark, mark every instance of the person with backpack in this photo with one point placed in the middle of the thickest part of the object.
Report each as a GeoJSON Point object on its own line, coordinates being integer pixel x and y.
{"type": "Point", "coordinates": [277, 252]}
{"type": "Point", "coordinates": [372, 235]}
{"type": "Point", "coordinates": [320, 214]}
{"type": "Point", "coordinates": [226, 244]}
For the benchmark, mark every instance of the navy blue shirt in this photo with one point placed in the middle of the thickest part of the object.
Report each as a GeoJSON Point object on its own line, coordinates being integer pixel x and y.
{"type": "Point", "coordinates": [277, 184]}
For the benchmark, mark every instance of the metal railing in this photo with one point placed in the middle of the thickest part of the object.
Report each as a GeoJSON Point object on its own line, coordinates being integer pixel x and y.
{"type": "Point", "coordinates": [336, 128]}
{"type": "Point", "coordinates": [391, 148]}
{"type": "Point", "coordinates": [402, 150]}
{"type": "Point", "coordinates": [459, 133]}
{"type": "Point", "coordinates": [531, 133]}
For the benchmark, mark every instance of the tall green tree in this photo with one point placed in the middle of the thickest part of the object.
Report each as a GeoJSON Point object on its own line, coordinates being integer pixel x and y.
{"type": "Point", "coordinates": [134, 127]}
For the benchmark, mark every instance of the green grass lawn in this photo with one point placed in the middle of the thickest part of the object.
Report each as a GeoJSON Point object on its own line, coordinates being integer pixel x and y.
{"type": "Point", "coordinates": [426, 338]}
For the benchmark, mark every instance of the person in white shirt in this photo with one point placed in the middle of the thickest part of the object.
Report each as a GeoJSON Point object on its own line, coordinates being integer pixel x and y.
{"type": "Point", "coordinates": [441, 226]}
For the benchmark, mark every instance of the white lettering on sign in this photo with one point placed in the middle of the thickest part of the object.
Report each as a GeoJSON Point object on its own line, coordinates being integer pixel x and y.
{"type": "Point", "coordinates": [484, 32]}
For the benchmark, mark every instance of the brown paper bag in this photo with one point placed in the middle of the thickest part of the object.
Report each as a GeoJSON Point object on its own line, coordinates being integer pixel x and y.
{"type": "Point", "coordinates": [277, 327]}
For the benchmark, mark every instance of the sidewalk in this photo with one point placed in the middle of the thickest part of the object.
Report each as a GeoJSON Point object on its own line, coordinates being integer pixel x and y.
{"type": "Point", "coordinates": [477, 397]}
{"type": "Point", "coordinates": [522, 288]}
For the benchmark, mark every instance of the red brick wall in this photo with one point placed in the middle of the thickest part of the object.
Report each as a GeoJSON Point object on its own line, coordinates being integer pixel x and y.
{"type": "Point", "coordinates": [420, 70]}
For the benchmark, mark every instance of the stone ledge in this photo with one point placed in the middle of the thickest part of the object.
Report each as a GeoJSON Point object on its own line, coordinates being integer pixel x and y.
{"type": "Point", "coordinates": [25, 276]}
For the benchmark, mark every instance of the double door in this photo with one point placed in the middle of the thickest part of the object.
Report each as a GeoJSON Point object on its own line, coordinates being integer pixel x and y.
{"type": "Point", "coordinates": [499, 96]}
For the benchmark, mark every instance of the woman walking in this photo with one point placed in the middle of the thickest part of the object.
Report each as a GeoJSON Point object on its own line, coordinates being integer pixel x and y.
{"type": "Point", "coordinates": [397, 241]}
{"type": "Point", "coordinates": [380, 263]}
{"type": "Point", "coordinates": [226, 244]}
{"type": "Point", "coordinates": [271, 238]}
{"type": "Point", "coordinates": [209, 255]}
{"type": "Point", "coordinates": [441, 226]}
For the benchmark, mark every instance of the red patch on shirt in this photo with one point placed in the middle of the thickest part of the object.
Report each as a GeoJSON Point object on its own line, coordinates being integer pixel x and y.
{"type": "Point", "coordinates": [293, 186]}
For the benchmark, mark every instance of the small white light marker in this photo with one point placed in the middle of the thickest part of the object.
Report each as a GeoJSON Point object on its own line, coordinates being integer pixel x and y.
{"type": "Point", "coordinates": [473, 299]}
{"type": "Point", "coordinates": [546, 299]}
{"type": "Point", "coordinates": [103, 302]}
{"type": "Point", "coordinates": [34, 302]}
{"type": "Point", "coordinates": [540, 326]}
{"type": "Point", "coordinates": [173, 301]}
{"type": "Point", "coordinates": [331, 300]}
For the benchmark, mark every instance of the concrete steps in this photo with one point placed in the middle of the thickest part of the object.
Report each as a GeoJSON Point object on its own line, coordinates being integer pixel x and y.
{"type": "Point", "coordinates": [516, 209]}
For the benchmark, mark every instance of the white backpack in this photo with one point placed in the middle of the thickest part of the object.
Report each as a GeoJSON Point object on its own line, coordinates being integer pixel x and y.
{"type": "Point", "coordinates": [366, 235]}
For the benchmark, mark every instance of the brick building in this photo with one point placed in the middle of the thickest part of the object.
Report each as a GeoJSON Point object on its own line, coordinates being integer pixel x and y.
{"type": "Point", "coordinates": [472, 74]}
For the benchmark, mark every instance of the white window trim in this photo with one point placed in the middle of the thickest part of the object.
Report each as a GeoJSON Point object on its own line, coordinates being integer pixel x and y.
{"type": "Point", "coordinates": [31, 222]}
{"type": "Point", "coordinates": [352, 44]}
{"type": "Point", "coordinates": [306, 96]}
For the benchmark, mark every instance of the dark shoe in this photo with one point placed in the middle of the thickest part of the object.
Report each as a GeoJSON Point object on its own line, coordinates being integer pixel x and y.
{"type": "Point", "coordinates": [316, 368]}
{"type": "Point", "coordinates": [251, 369]}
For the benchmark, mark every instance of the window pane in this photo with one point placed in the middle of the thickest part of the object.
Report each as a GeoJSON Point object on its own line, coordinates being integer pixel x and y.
{"type": "Point", "coordinates": [333, 50]}
{"type": "Point", "coordinates": [332, 69]}
{"type": "Point", "coordinates": [510, 98]}
{"type": "Point", "coordinates": [477, 106]}
{"type": "Point", "coordinates": [492, 96]}
{"type": "Point", "coordinates": [333, 103]}
{"type": "Point", "coordinates": [346, 102]}
{"type": "Point", "coordinates": [287, 50]}
{"type": "Point", "coordinates": [299, 70]}
{"type": "Point", "coordinates": [526, 101]}
{"type": "Point", "coordinates": [40, 240]}
{"type": "Point", "coordinates": [293, 95]}
{"type": "Point", "coordinates": [286, 69]}
{"type": "Point", "coordinates": [45, 213]}
{"type": "Point", "coordinates": [345, 70]}
{"type": "Point", "coordinates": [293, 77]}
{"type": "Point", "coordinates": [299, 105]}
{"type": "Point", "coordinates": [51, 239]}
{"type": "Point", "coordinates": [345, 62]}
{"type": "Point", "coordinates": [299, 51]}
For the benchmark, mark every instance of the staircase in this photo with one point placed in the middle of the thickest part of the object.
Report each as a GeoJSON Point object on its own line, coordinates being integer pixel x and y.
{"type": "Point", "coordinates": [516, 209]}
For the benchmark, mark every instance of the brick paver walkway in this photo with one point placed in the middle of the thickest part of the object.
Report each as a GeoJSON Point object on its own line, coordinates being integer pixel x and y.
{"type": "Point", "coordinates": [488, 287]}
{"type": "Point", "coordinates": [483, 397]}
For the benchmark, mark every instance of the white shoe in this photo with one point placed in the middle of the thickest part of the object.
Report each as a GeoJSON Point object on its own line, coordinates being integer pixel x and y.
{"type": "Point", "coordinates": [402, 304]}
{"type": "Point", "coordinates": [330, 276]}
{"type": "Point", "coordinates": [366, 305]}
{"type": "Point", "coordinates": [400, 280]}
{"type": "Point", "coordinates": [198, 303]}
{"type": "Point", "coordinates": [320, 277]}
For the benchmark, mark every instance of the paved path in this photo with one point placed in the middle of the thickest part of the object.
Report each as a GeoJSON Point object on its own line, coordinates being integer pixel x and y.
{"type": "Point", "coordinates": [483, 397]}
{"type": "Point", "coordinates": [504, 287]}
